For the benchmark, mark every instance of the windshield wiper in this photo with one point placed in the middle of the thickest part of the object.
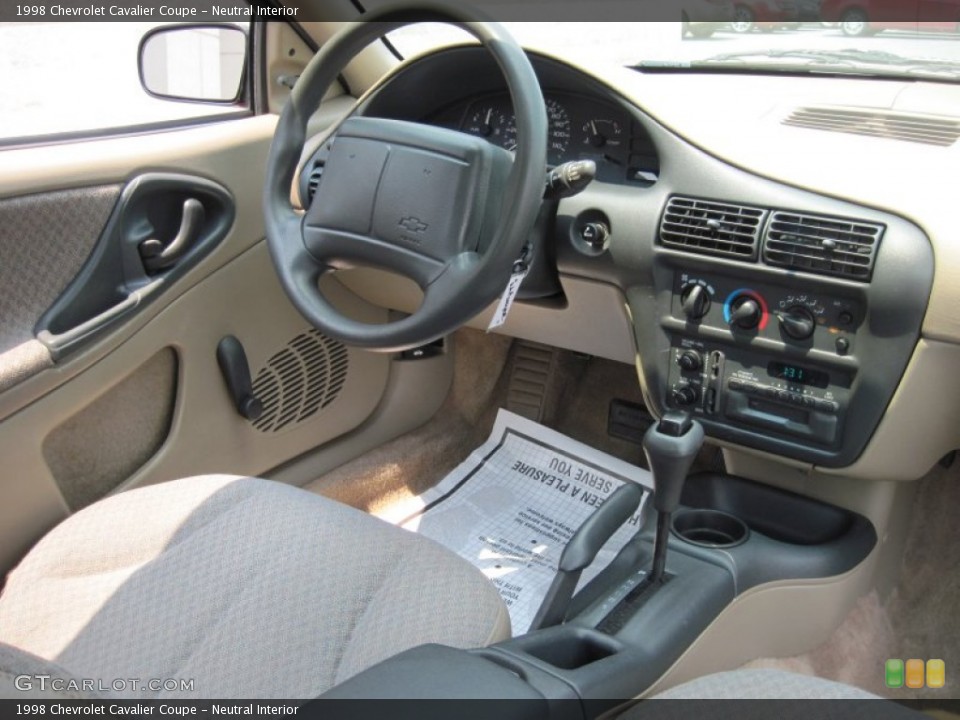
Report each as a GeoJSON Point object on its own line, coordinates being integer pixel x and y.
{"type": "Point", "coordinates": [841, 61]}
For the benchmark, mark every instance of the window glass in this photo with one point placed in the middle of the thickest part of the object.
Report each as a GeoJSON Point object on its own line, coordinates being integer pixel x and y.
{"type": "Point", "coordinates": [80, 77]}
{"type": "Point", "coordinates": [772, 41]}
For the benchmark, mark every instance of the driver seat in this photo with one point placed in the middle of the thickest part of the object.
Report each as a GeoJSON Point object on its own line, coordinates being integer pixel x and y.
{"type": "Point", "coordinates": [248, 587]}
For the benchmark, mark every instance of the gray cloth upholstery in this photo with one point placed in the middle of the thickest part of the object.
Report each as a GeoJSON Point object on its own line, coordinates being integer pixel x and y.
{"type": "Point", "coordinates": [764, 694]}
{"type": "Point", "coordinates": [44, 241]}
{"type": "Point", "coordinates": [21, 673]}
{"type": "Point", "coordinates": [763, 685]}
{"type": "Point", "coordinates": [249, 587]}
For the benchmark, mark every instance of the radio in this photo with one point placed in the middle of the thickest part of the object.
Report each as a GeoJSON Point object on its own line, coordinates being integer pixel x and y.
{"type": "Point", "coordinates": [741, 386]}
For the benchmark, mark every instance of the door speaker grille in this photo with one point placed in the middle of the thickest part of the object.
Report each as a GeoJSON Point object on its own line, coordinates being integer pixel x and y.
{"type": "Point", "coordinates": [300, 380]}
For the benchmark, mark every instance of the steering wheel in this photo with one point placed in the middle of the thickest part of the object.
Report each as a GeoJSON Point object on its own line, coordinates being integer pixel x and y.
{"type": "Point", "coordinates": [450, 211]}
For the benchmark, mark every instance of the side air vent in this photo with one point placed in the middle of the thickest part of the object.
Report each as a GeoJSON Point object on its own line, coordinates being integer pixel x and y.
{"type": "Point", "coordinates": [712, 228]}
{"type": "Point", "coordinates": [822, 245]}
{"type": "Point", "coordinates": [924, 129]}
{"type": "Point", "coordinates": [313, 182]}
{"type": "Point", "coordinates": [299, 381]}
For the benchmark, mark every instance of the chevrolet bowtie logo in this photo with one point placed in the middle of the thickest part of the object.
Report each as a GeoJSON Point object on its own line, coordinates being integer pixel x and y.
{"type": "Point", "coordinates": [413, 225]}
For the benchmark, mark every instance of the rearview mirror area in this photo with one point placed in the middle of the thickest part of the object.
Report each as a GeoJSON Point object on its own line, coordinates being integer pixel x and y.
{"type": "Point", "coordinates": [194, 63]}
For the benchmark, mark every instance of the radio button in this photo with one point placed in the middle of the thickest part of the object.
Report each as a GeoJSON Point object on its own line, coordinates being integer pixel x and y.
{"type": "Point", "coordinates": [828, 406]}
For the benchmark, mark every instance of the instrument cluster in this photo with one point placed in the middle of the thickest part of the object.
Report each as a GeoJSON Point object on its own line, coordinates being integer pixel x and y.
{"type": "Point", "coordinates": [580, 128]}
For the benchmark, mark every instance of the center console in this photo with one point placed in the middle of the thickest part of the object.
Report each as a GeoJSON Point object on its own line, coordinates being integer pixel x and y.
{"type": "Point", "coordinates": [729, 535]}
{"type": "Point", "coordinates": [796, 351]}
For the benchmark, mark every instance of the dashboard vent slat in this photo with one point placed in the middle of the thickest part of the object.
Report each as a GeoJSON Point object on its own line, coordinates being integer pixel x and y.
{"type": "Point", "coordinates": [711, 227]}
{"type": "Point", "coordinates": [822, 245]}
{"type": "Point", "coordinates": [939, 131]}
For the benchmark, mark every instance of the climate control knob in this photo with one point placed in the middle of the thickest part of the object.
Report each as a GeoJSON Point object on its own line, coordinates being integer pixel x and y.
{"type": "Point", "coordinates": [690, 361]}
{"type": "Point", "coordinates": [745, 312]}
{"type": "Point", "coordinates": [797, 322]}
{"type": "Point", "coordinates": [685, 395]}
{"type": "Point", "coordinates": [695, 301]}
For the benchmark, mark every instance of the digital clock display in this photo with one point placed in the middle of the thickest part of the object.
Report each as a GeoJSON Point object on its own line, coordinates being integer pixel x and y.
{"type": "Point", "coordinates": [798, 375]}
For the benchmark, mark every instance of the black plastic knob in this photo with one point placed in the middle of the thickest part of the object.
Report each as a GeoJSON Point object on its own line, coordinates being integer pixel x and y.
{"type": "Point", "coordinates": [797, 322]}
{"type": "Point", "coordinates": [690, 361]}
{"type": "Point", "coordinates": [685, 395]}
{"type": "Point", "coordinates": [745, 313]}
{"type": "Point", "coordinates": [695, 301]}
{"type": "Point", "coordinates": [595, 234]}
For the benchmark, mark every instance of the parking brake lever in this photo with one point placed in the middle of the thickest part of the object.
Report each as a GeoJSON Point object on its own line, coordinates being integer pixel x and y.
{"type": "Point", "coordinates": [582, 550]}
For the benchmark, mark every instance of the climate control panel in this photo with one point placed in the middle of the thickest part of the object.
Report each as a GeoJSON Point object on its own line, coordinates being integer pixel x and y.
{"type": "Point", "coordinates": [795, 317]}
{"type": "Point", "coordinates": [761, 358]}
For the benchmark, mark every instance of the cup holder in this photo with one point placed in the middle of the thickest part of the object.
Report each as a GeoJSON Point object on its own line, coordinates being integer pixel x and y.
{"type": "Point", "coordinates": [710, 528]}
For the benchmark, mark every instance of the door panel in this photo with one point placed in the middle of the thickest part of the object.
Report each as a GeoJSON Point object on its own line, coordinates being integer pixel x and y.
{"type": "Point", "coordinates": [231, 153]}
{"type": "Point", "coordinates": [161, 225]}
{"type": "Point", "coordinates": [144, 400]}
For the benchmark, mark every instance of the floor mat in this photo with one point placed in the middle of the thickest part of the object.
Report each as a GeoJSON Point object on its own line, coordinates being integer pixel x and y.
{"type": "Point", "coordinates": [513, 505]}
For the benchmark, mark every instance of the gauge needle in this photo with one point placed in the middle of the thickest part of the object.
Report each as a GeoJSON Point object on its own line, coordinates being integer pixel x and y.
{"type": "Point", "coordinates": [598, 140]}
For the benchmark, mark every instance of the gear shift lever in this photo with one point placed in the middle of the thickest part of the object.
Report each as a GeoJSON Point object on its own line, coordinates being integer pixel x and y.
{"type": "Point", "coordinates": [671, 447]}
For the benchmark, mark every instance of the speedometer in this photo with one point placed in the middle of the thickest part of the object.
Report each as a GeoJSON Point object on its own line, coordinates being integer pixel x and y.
{"type": "Point", "coordinates": [559, 131]}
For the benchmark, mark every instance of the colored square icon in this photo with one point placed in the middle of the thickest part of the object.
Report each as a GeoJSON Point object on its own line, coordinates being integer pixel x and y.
{"type": "Point", "coordinates": [936, 673]}
{"type": "Point", "coordinates": [915, 673]}
{"type": "Point", "coordinates": [894, 673]}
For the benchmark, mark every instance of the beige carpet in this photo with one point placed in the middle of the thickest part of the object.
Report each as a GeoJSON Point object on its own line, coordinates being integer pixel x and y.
{"type": "Point", "coordinates": [417, 461]}
{"type": "Point", "coordinates": [577, 404]}
{"type": "Point", "coordinates": [920, 619]}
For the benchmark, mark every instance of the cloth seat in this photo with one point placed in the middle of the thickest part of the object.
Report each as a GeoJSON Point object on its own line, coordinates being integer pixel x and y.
{"type": "Point", "coordinates": [246, 587]}
{"type": "Point", "coordinates": [760, 694]}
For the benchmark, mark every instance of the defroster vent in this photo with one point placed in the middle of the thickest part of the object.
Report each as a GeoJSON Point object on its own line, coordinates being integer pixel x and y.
{"type": "Point", "coordinates": [712, 228]}
{"type": "Point", "coordinates": [301, 380]}
{"type": "Point", "coordinates": [880, 123]}
{"type": "Point", "coordinates": [823, 245]}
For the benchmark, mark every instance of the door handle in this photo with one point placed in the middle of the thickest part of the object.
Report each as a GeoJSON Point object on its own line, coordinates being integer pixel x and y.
{"type": "Point", "coordinates": [156, 256]}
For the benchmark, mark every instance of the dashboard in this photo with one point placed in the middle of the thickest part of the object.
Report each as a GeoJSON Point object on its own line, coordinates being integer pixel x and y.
{"type": "Point", "coordinates": [782, 318]}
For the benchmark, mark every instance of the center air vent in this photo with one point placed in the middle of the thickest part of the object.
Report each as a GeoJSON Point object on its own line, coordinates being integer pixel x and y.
{"type": "Point", "coordinates": [823, 245]}
{"type": "Point", "coordinates": [712, 228]}
{"type": "Point", "coordinates": [299, 381]}
{"type": "Point", "coordinates": [929, 130]}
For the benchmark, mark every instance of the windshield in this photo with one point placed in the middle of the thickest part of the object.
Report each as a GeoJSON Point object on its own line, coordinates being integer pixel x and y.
{"type": "Point", "coordinates": [929, 50]}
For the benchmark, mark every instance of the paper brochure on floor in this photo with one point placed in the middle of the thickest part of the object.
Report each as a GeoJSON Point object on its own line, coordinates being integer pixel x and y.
{"type": "Point", "coordinates": [513, 505]}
